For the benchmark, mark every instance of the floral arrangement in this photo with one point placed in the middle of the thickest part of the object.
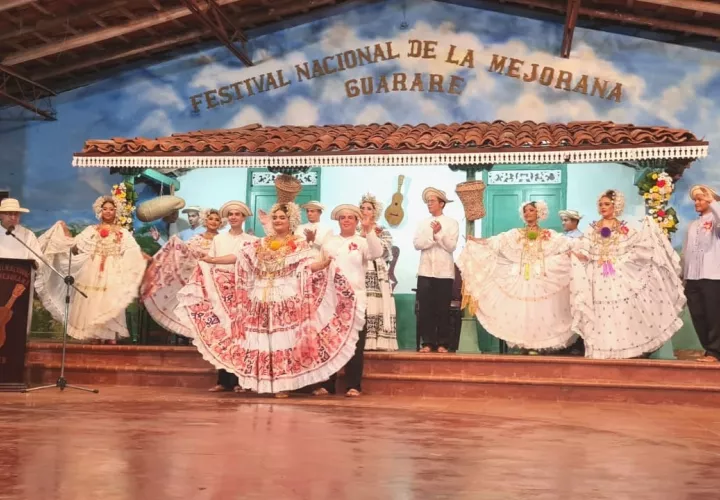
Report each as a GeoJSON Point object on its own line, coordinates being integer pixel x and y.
{"type": "Point", "coordinates": [125, 198]}
{"type": "Point", "coordinates": [656, 189]}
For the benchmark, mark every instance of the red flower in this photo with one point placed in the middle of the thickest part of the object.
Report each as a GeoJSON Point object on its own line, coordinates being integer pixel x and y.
{"type": "Point", "coordinates": [661, 183]}
{"type": "Point", "coordinates": [353, 246]}
{"type": "Point", "coordinates": [292, 245]}
{"type": "Point", "coordinates": [661, 213]}
{"type": "Point", "coordinates": [707, 225]}
{"type": "Point", "coordinates": [624, 229]}
{"type": "Point", "coordinates": [104, 232]}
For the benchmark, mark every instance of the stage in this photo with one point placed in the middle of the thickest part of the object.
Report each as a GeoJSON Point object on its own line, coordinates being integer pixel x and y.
{"type": "Point", "coordinates": [148, 443]}
{"type": "Point", "coordinates": [406, 373]}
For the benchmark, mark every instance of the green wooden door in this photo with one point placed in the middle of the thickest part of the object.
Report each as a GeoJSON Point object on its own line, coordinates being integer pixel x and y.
{"type": "Point", "coordinates": [507, 188]}
{"type": "Point", "coordinates": [261, 194]}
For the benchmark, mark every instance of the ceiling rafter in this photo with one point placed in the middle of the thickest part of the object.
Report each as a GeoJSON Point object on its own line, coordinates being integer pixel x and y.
{"type": "Point", "coordinates": [13, 4]}
{"type": "Point", "coordinates": [62, 21]}
{"type": "Point", "coordinates": [676, 26]}
{"type": "Point", "coordinates": [209, 14]}
{"type": "Point", "coordinates": [101, 35]}
{"type": "Point", "coordinates": [691, 5]}
{"type": "Point", "coordinates": [24, 92]}
{"type": "Point", "coordinates": [571, 16]}
{"type": "Point", "coordinates": [125, 54]}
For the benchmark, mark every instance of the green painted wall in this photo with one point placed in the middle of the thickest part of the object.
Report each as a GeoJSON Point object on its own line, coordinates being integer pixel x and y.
{"type": "Point", "coordinates": [406, 323]}
{"type": "Point", "coordinates": [686, 338]}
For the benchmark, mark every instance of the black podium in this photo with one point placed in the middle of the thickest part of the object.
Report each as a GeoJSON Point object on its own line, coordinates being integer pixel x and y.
{"type": "Point", "coordinates": [16, 297]}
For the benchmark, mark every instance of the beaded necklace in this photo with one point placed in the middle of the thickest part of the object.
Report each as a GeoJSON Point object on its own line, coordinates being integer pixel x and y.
{"type": "Point", "coordinates": [606, 238]}
{"type": "Point", "coordinates": [532, 251]}
{"type": "Point", "coordinates": [271, 257]}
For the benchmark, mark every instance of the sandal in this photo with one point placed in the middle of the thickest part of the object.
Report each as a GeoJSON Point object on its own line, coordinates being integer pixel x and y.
{"type": "Point", "coordinates": [320, 391]}
{"type": "Point", "coordinates": [217, 388]}
{"type": "Point", "coordinates": [352, 393]}
{"type": "Point", "coordinates": [442, 350]}
{"type": "Point", "coordinates": [425, 348]}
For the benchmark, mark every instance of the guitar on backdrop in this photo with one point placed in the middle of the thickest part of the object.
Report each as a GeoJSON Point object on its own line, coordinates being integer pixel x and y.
{"type": "Point", "coordinates": [394, 213]}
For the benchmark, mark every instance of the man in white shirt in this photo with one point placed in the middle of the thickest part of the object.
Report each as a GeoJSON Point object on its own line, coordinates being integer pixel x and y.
{"type": "Point", "coordinates": [701, 270]}
{"type": "Point", "coordinates": [229, 243]}
{"type": "Point", "coordinates": [570, 220]}
{"type": "Point", "coordinates": [351, 253]}
{"type": "Point", "coordinates": [315, 232]}
{"type": "Point", "coordinates": [10, 248]}
{"type": "Point", "coordinates": [193, 217]}
{"type": "Point", "coordinates": [436, 237]}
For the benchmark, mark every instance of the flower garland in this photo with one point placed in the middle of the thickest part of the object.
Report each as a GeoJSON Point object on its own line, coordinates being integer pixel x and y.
{"type": "Point", "coordinates": [656, 189]}
{"type": "Point", "coordinates": [125, 198]}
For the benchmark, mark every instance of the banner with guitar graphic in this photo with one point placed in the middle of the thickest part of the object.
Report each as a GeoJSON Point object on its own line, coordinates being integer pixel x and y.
{"type": "Point", "coordinates": [16, 289]}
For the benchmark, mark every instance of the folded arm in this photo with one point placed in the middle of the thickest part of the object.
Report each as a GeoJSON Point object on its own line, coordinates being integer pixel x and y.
{"type": "Point", "coordinates": [423, 238]}
{"type": "Point", "coordinates": [223, 259]}
{"type": "Point", "coordinates": [447, 237]}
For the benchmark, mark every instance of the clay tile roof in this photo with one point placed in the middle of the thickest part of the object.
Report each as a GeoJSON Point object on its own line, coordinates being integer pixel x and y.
{"type": "Point", "coordinates": [494, 138]}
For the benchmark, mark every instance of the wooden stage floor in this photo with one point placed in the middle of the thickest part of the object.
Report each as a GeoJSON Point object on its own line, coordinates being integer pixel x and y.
{"type": "Point", "coordinates": [156, 443]}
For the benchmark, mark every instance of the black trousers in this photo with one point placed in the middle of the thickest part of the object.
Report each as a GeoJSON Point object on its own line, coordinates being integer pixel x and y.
{"type": "Point", "coordinates": [433, 322]}
{"type": "Point", "coordinates": [353, 368]}
{"type": "Point", "coordinates": [226, 379]}
{"type": "Point", "coordinates": [703, 300]}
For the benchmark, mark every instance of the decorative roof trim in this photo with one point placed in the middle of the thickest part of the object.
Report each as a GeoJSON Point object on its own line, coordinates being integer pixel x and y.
{"type": "Point", "coordinates": [394, 159]}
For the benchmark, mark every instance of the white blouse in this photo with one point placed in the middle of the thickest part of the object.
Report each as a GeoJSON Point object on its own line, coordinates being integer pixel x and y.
{"type": "Point", "coordinates": [436, 250]}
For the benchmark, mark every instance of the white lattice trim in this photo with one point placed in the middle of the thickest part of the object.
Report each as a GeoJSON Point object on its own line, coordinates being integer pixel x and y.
{"type": "Point", "coordinates": [394, 159]}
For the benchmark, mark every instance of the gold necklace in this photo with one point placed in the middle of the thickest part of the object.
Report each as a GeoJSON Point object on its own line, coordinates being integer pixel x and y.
{"type": "Point", "coordinates": [532, 250]}
{"type": "Point", "coordinates": [606, 238]}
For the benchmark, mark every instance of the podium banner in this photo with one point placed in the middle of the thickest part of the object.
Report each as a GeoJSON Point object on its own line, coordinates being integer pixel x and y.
{"type": "Point", "coordinates": [16, 293]}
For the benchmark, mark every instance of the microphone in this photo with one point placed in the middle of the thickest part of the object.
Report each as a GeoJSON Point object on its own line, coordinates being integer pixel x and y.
{"type": "Point", "coordinates": [10, 230]}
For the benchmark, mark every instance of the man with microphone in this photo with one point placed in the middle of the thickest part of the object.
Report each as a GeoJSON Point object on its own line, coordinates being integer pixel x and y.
{"type": "Point", "coordinates": [10, 248]}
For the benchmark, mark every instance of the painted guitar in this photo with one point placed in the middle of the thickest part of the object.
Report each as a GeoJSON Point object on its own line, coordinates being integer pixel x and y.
{"type": "Point", "coordinates": [6, 312]}
{"type": "Point", "coordinates": [394, 214]}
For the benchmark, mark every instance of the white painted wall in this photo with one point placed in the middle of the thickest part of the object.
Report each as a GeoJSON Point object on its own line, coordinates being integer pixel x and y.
{"type": "Point", "coordinates": [585, 182]}
{"type": "Point", "coordinates": [211, 187]}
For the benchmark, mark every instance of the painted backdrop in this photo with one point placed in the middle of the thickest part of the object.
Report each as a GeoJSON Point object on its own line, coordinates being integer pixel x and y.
{"type": "Point", "coordinates": [660, 84]}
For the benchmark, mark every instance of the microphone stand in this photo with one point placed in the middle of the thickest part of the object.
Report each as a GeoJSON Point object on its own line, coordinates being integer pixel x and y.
{"type": "Point", "coordinates": [69, 283]}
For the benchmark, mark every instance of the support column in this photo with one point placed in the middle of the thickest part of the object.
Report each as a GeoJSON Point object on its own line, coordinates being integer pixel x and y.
{"type": "Point", "coordinates": [469, 331]}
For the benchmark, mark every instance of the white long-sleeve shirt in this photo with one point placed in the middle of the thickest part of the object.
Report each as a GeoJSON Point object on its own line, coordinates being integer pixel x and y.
{"type": "Point", "coordinates": [229, 244]}
{"type": "Point", "coordinates": [352, 255]}
{"type": "Point", "coordinates": [12, 249]}
{"type": "Point", "coordinates": [701, 250]}
{"type": "Point", "coordinates": [436, 249]}
{"type": "Point", "coordinates": [322, 232]}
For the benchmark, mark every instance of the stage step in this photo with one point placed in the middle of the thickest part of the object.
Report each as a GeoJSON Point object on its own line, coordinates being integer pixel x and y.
{"type": "Point", "coordinates": [409, 374]}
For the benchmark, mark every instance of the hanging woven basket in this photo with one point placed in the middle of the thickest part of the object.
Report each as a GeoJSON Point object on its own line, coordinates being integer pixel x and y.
{"type": "Point", "coordinates": [471, 196]}
{"type": "Point", "coordinates": [159, 207]}
{"type": "Point", "coordinates": [287, 188]}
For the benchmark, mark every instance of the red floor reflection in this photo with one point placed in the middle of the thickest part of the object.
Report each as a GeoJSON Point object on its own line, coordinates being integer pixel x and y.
{"type": "Point", "coordinates": [138, 443]}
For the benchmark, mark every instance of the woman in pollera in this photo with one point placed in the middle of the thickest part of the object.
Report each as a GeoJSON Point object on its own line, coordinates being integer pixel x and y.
{"type": "Point", "coordinates": [517, 283]}
{"type": "Point", "coordinates": [626, 288]}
